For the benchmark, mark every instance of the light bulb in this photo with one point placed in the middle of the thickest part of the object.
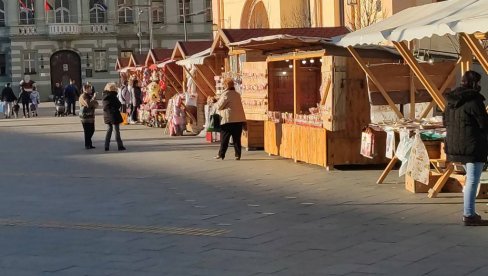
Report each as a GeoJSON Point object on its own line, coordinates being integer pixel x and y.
{"type": "Point", "coordinates": [290, 66]}
{"type": "Point", "coordinates": [312, 60]}
{"type": "Point", "coordinates": [304, 61]}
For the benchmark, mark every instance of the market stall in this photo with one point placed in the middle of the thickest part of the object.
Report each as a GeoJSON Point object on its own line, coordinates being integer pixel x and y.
{"type": "Point", "coordinates": [152, 112]}
{"type": "Point", "coordinates": [197, 78]}
{"type": "Point", "coordinates": [317, 101]}
{"type": "Point", "coordinates": [448, 18]}
{"type": "Point", "coordinates": [249, 67]}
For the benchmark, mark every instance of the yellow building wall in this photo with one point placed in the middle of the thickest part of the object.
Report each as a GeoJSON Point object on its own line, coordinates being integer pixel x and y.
{"type": "Point", "coordinates": [295, 13]}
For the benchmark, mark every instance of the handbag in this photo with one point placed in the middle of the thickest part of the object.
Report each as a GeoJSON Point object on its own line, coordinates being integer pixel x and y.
{"type": "Point", "coordinates": [214, 124]}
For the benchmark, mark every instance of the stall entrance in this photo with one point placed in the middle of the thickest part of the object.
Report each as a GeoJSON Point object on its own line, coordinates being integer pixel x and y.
{"type": "Point", "coordinates": [65, 66]}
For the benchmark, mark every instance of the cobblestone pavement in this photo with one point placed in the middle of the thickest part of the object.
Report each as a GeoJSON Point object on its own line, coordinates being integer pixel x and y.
{"type": "Point", "coordinates": [166, 207]}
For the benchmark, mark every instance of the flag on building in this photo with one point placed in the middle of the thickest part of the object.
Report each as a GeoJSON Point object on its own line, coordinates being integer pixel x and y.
{"type": "Point", "coordinates": [48, 6]}
{"type": "Point", "coordinates": [22, 5]}
{"type": "Point", "coordinates": [101, 4]}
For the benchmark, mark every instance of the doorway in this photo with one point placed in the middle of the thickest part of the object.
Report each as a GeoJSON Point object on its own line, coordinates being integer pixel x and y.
{"type": "Point", "coordinates": [65, 66]}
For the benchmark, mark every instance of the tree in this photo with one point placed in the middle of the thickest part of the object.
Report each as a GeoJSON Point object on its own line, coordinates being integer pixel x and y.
{"type": "Point", "coordinates": [365, 13]}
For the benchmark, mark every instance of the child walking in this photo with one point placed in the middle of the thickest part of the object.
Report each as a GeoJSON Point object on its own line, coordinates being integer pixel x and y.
{"type": "Point", "coordinates": [35, 100]}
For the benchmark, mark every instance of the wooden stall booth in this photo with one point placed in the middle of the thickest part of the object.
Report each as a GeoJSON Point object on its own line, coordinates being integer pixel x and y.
{"type": "Point", "coordinates": [404, 30]}
{"type": "Point", "coordinates": [250, 68]}
{"type": "Point", "coordinates": [198, 69]}
{"type": "Point", "coordinates": [317, 100]}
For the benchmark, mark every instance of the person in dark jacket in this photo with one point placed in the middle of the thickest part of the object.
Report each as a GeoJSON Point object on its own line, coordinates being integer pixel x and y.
{"type": "Point", "coordinates": [71, 94]}
{"type": "Point", "coordinates": [466, 141]}
{"type": "Point", "coordinates": [136, 101]}
{"type": "Point", "coordinates": [24, 98]}
{"type": "Point", "coordinates": [111, 115]}
{"type": "Point", "coordinates": [8, 97]}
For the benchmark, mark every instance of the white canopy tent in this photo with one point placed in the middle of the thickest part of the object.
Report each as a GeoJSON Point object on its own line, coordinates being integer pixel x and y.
{"type": "Point", "coordinates": [448, 17]}
{"type": "Point", "coordinates": [452, 17]}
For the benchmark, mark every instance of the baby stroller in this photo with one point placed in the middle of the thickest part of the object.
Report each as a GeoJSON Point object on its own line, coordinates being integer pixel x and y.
{"type": "Point", "coordinates": [60, 107]}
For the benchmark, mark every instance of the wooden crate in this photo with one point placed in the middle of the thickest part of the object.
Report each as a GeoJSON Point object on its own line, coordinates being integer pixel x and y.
{"type": "Point", "coordinates": [253, 135]}
{"type": "Point", "coordinates": [453, 184]}
{"type": "Point", "coordinates": [433, 149]}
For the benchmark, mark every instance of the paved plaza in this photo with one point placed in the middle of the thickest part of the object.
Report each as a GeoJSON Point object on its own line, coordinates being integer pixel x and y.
{"type": "Point", "coordinates": [166, 207]}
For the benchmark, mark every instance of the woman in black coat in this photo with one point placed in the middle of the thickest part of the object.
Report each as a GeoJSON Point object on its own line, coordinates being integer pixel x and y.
{"type": "Point", "coordinates": [466, 122]}
{"type": "Point", "coordinates": [24, 99]}
{"type": "Point", "coordinates": [111, 115]}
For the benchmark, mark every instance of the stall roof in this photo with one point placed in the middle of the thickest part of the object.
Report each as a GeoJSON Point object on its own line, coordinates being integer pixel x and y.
{"type": "Point", "coordinates": [230, 36]}
{"type": "Point", "coordinates": [184, 49]}
{"type": "Point", "coordinates": [158, 55]}
{"type": "Point", "coordinates": [447, 17]}
{"type": "Point", "coordinates": [121, 63]}
{"type": "Point", "coordinates": [137, 60]}
{"type": "Point", "coordinates": [196, 59]}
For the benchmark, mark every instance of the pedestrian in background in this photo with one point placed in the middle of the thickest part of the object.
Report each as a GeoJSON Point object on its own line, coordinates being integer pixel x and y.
{"type": "Point", "coordinates": [229, 107]}
{"type": "Point", "coordinates": [111, 115]}
{"type": "Point", "coordinates": [8, 97]}
{"type": "Point", "coordinates": [24, 98]}
{"type": "Point", "coordinates": [35, 99]}
{"type": "Point", "coordinates": [136, 101]}
{"type": "Point", "coordinates": [71, 93]}
{"type": "Point", "coordinates": [466, 141]}
{"type": "Point", "coordinates": [88, 105]}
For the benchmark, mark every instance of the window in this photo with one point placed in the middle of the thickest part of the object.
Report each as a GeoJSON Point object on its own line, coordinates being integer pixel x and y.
{"type": "Point", "coordinates": [126, 12]}
{"type": "Point", "coordinates": [61, 11]}
{"type": "Point", "coordinates": [158, 12]}
{"type": "Point", "coordinates": [100, 61]}
{"type": "Point", "coordinates": [208, 14]}
{"type": "Point", "coordinates": [3, 65]}
{"type": "Point", "coordinates": [26, 12]}
{"type": "Point", "coordinates": [2, 13]}
{"type": "Point", "coordinates": [29, 62]}
{"type": "Point", "coordinates": [98, 11]}
{"type": "Point", "coordinates": [187, 4]}
{"type": "Point", "coordinates": [126, 53]}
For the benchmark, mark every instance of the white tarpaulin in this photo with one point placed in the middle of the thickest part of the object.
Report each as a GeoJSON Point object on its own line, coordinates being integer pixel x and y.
{"type": "Point", "coordinates": [196, 59]}
{"type": "Point", "coordinates": [163, 64]}
{"type": "Point", "coordinates": [281, 37]}
{"type": "Point", "coordinates": [447, 17]}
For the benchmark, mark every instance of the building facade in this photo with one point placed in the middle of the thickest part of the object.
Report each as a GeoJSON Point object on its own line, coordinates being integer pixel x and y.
{"type": "Point", "coordinates": [247, 14]}
{"type": "Point", "coordinates": [81, 39]}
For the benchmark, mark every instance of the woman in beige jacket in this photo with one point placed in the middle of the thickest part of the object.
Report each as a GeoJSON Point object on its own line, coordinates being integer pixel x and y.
{"type": "Point", "coordinates": [229, 106]}
{"type": "Point", "coordinates": [88, 104]}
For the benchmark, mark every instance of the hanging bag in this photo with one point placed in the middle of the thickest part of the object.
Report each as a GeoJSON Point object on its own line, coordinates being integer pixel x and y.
{"type": "Point", "coordinates": [214, 123]}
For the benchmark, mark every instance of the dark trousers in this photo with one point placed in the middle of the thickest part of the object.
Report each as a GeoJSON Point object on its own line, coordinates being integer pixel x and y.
{"type": "Point", "coordinates": [108, 137]}
{"type": "Point", "coordinates": [88, 129]}
{"type": "Point", "coordinates": [228, 130]}
{"type": "Point", "coordinates": [25, 107]}
{"type": "Point", "coordinates": [71, 106]}
{"type": "Point", "coordinates": [133, 112]}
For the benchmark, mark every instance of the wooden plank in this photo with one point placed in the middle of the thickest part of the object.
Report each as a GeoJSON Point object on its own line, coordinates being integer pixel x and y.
{"type": "Point", "coordinates": [212, 87]}
{"type": "Point", "coordinates": [421, 74]}
{"type": "Point", "coordinates": [444, 86]}
{"type": "Point", "coordinates": [412, 96]}
{"type": "Point", "coordinates": [387, 170]}
{"type": "Point", "coordinates": [373, 78]}
{"type": "Point", "coordinates": [442, 181]}
{"type": "Point", "coordinates": [295, 86]}
{"type": "Point", "coordinates": [477, 49]}
{"type": "Point", "coordinates": [296, 55]}
{"type": "Point", "coordinates": [196, 82]}
{"type": "Point", "coordinates": [466, 56]}
{"type": "Point", "coordinates": [174, 76]}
